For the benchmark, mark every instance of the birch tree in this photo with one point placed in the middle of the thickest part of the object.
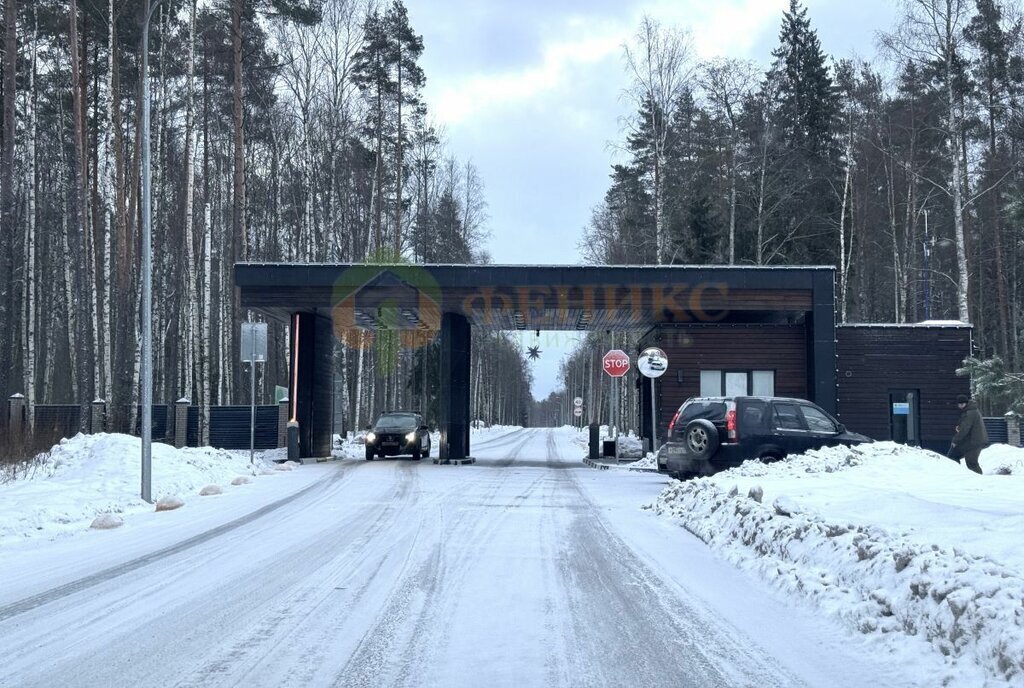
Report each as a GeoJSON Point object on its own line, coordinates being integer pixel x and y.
{"type": "Point", "coordinates": [660, 65]}
{"type": "Point", "coordinates": [930, 34]}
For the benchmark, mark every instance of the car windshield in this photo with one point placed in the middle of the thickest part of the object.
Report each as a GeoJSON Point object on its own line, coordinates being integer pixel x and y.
{"type": "Point", "coordinates": [396, 420]}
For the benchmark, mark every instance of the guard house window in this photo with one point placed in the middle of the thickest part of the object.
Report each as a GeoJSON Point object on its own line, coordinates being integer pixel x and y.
{"type": "Point", "coordinates": [758, 383]}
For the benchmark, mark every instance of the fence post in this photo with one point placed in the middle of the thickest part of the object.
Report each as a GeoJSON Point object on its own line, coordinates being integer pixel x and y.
{"type": "Point", "coordinates": [181, 422]}
{"type": "Point", "coordinates": [97, 416]}
{"type": "Point", "coordinates": [17, 418]}
{"type": "Point", "coordinates": [1012, 429]}
{"type": "Point", "coordinates": [282, 422]}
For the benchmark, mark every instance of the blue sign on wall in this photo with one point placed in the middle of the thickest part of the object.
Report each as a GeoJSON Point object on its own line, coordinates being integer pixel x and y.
{"type": "Point", "coordinates": [901, 408]}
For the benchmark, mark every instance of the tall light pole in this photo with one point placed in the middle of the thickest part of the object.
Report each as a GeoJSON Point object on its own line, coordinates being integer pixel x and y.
{"type": "Point", "coordinates": [146, 359]}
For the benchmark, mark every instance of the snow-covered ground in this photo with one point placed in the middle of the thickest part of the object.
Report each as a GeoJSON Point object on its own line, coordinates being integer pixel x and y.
{"type": "Point", "coordinates": [525, 569]}
{"type": "Point", "coordinates": [64, 489]}
{"type": "Point", "coordinates": [897, 543]}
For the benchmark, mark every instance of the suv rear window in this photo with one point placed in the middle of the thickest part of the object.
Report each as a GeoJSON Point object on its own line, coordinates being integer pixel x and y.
{"type": "Point", "coordinates": [709, 410]}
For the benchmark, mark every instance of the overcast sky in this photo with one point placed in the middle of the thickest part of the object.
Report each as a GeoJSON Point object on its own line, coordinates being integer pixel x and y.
{"type": "Point", "coordinates": [530, 91]}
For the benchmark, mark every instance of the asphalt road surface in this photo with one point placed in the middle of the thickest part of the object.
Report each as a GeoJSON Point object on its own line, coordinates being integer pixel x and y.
{"type": "Point", "coordinates": [526, 569]}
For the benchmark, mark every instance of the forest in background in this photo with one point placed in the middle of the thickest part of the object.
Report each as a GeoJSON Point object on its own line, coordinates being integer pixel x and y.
{"type": "Point", "coordinates": [297, 130]}
{"type": "Point", "coordinates": [282, 130]}
{"type": "Point", "coordinates": [903, 171]}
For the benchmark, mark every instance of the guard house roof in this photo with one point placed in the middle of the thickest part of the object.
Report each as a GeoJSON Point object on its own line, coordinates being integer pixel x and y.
{"type": "Point", "coordinates": [509, 297]}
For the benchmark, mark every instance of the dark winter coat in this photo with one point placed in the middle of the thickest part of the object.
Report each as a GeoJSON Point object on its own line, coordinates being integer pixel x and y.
{"type": "Point", "coordinates": [970, 434]}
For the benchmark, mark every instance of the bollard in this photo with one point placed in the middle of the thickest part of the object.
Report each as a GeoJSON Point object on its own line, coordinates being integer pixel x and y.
{"type": "Point", "coordinates": [293, 440]}
{"type": "Point", "coordinates": [282, 423]}
{"type": "Point", "coordinates": [17, 418]}
{"type": "Point", "coordinates": [181, 407]}
{"type": "Point", "coordinates": [97, 416]}
{"type": "Point", "coordinates": [595, 441]}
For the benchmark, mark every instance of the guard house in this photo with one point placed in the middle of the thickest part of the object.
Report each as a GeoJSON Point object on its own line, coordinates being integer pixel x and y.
{"type": "Point", "coordinates": [726, 329]}
{"type": "Point", "coordinates": [894, 382]}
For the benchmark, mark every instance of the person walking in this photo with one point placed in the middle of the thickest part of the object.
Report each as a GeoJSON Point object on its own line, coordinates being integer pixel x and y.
{"type": "Point", "coordinates": [970, 437]}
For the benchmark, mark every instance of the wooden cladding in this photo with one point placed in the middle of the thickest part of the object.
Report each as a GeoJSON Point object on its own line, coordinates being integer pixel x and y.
{"type": "Point", "coordinates": [545, 307]}
{"type": "Point", "coordinates": [874, 360]}
{"type": "Point", "coordinates": [779, 348]}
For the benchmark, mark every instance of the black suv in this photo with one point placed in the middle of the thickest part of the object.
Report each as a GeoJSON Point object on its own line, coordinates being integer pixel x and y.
{"type": "Point", "coordinates": [398, 432]}
{"type": "Point", "coordinates": [711, 434]}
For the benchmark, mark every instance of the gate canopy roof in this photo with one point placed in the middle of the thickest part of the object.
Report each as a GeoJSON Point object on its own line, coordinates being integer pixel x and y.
{"type": "Point", "coordinates": [546, 297]}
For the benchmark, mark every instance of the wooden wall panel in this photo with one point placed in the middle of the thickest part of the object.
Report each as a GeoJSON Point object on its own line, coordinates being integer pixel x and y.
{"type": "Point", "coordinates": [873, 360]}
{"type": "Point", "coordinates": [690, 349]}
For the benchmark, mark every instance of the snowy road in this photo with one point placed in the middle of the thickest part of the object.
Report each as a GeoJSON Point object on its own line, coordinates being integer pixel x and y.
{"type": "Point", "coordinates": [525, 569]}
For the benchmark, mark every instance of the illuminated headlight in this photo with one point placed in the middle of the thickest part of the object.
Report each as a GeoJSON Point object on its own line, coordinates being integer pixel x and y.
{"type": "Point", "coordinates": [371, 438]}
{"type": "Point", "coordinates": [411, 437]}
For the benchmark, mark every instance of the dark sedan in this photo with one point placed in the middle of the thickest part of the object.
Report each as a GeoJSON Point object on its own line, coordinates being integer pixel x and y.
{"type": "Point", "coordinates": [398, 433]}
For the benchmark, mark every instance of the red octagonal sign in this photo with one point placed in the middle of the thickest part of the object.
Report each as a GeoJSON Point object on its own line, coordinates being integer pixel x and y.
{"type": "Point", "coordinates": [616, 363]}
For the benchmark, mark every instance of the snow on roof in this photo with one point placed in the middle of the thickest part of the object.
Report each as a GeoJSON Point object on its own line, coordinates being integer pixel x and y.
{"type": "Point", "coordinates": [541, 265]}
{"type": "Point", "coordinates": [925, 323]}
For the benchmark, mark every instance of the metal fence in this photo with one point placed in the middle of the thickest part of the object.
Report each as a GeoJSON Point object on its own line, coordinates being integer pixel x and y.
{"type": "Point", "coordinates": [229, 425]}
{"type": "Point", "coordinates": [53, 422]}
{"type": "Point", "coordinates": [998, 432]}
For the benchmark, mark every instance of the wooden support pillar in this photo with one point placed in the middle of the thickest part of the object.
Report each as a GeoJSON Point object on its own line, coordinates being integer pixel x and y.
{"type": "Point", "coordinates": [311, 382]}
{"type": "Point", "coordinates": [455, 359]}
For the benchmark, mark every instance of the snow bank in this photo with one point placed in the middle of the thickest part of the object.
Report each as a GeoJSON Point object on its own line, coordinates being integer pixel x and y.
{"type": "Point", "coordinates": [1003, 459]}
{"type": "Point", "coordinates": [630, 446]}
{"type": "Point", "coordinates": [649, 462]}
{"type": "Point", "coordinates": [89, 475]}
{"type": "Point", "coordinates": [892, 540]}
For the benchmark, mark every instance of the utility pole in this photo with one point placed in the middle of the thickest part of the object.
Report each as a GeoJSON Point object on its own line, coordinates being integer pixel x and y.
{"type": "Point", "coordinates": [146, 358]}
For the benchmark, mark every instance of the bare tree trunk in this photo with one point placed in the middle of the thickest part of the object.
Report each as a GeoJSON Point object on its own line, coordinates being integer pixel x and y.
{"type": "Point", "coordinates": [79, 229]}
{"type": "Point", "coordinates": [7, 210]}
{"type": "Point", "coordinates": [30, 233]}
{"type": "Point", "coordinates": [759, 248]}
{"type": "Point", "coordinates": [399, 150]}
{"type": "Point", "coordinates": [842, 230]}
{"type": "Point", "coordinates": [204, 384]}
{"type": "Point", "coordinates": [958, 205]}
{"type": "Point", "coordinates": [191, 306]}
{"type": "Point", "coordinates": [106, 183]}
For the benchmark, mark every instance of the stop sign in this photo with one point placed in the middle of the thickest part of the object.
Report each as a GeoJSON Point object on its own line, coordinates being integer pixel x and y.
{"type": "Point", "coordinates": [616, 363]}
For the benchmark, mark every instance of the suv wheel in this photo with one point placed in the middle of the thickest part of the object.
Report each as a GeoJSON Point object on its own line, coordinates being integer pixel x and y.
{"type": "Point", "coordinates": [701, 437]}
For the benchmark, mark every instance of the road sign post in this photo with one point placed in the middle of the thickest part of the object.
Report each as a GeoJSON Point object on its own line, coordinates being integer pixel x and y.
{"type": "Point", "coordinates": [616, 364]}
{"type": "Point", "coordinates": [254, 350]}
{"type": "Point", "coordinates": [652, 364]}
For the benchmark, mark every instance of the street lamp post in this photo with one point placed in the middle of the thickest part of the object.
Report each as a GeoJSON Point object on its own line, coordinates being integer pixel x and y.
{"type": "Point", "coordinates": [146, 359]}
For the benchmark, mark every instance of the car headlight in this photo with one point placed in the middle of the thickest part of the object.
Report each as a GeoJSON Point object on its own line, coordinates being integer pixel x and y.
{"type": "Point", "coordinates": [371, 438]}
{"type": "Point", "coordinates": [411, 437]}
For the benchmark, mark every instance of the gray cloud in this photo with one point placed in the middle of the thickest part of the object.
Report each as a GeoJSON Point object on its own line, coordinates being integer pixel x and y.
{"type": "Point", "coordinates": [531, 89]}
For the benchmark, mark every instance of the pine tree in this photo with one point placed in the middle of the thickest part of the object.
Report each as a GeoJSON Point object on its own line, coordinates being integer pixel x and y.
{"type": "Point", "coordinates": [806, 119]}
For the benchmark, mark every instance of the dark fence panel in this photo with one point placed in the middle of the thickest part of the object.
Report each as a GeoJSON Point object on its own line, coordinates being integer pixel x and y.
{"type": "Point", "coordinates": [192, 427]}
{"type": "Point", "coordinates": [162, 420]}
{"type": "Point", "coordinates": [997, 431]}
{"type": "Point", "coordinates": [229, 427]}
{"type": "Point", "coordinates": [53, 422]}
